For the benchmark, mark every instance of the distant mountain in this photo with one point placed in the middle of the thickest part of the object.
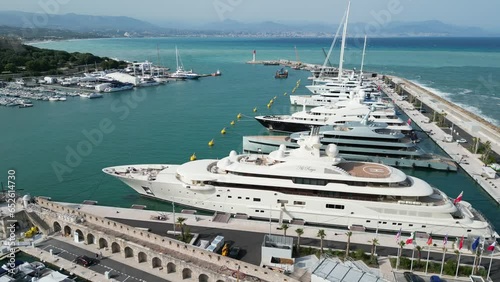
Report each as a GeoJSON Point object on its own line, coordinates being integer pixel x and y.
{"type": "Point", "coordinates": [74, 22]}
{"type": "Point", "coordinates": [392, 29]}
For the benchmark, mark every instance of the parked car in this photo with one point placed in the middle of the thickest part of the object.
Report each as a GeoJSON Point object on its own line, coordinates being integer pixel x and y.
{"type": "Point", "coordinates": [410, 277]}
{"type": "Point", "coordinates": [234, 252]}
{"type": "Point", "coordinates": [435, 278]}
{"type": "Point", "coordinates": [462, 140]}
{"type": "Point", "coordinates": [85, 261]}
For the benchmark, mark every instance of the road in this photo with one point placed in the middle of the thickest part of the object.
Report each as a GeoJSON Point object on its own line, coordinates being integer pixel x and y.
{"type": "Point", "coordinates": [119, 271]}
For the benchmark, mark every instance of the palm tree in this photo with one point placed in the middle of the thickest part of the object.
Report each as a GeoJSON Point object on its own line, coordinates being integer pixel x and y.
{"type": "Point", "coordinates": [419, 253]}
{"type": "Point", "coordinates": [486, 151]}
{"type": "Point", "coordinates": [299, 232]}
{"type": "Point", "coordinates": [180, 223]}
{"type": "Point", "coordinates": [284, 226]}
{"type": "Point", "coordinates": [401, 244]}
{"type": "Point", "coordinates": [321, 234]}
{"type": "Point", "coordinates": [349, 234]}
{"type": "Point", "coordinates": [374, 243]}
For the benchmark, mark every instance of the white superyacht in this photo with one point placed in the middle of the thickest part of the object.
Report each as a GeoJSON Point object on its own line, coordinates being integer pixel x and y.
{"type": "Point", "coordinates": [306, 185]}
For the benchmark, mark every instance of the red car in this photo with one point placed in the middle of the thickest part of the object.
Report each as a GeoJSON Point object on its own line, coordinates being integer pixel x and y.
{"type": "Point", "coordinates": [85, 261]}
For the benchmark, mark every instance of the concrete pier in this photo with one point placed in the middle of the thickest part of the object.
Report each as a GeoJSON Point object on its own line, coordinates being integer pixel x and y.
{"type": "Point", "coordinates": [459, 122]}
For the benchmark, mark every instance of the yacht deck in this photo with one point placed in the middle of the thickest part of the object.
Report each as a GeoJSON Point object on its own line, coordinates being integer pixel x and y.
{"type": "Point", "coordinates": [369, 170]}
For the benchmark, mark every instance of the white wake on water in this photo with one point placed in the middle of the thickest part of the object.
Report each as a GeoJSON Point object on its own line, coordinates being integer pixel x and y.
{"type": "Point", "coordinates": [448, 96]}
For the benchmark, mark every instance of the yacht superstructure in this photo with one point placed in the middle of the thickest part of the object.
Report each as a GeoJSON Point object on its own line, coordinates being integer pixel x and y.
{"type": "Point", "coordinates": [305, 184]}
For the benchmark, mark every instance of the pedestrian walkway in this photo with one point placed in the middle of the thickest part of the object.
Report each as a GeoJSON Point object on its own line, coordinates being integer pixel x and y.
{"type": "Point", "coordinates": [468, 161]}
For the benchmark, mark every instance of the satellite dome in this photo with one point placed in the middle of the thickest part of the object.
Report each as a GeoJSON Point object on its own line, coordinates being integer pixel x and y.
{"type": "Point", "coordinates": [282, 147]}
{"type": "Point", "coordinates": [332, 150]}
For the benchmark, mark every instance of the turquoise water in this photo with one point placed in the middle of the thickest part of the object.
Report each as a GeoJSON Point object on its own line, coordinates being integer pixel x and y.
{"type": "Point", "coordinates": [166, 124]}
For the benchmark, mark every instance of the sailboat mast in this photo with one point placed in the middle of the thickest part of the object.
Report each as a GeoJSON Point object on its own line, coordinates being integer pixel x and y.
{"type": "Point", "coordinates": [363, 58]}
{"type": "Point", "coordinates": [177, 56]}
{"type": "Point", "coordinates": [344, 33]}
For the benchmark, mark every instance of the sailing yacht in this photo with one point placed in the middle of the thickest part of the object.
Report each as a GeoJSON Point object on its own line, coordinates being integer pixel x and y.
{"type": "Point", "coordinates": [309, 186]}
{"type": "Point", "coordinates": [180, 72]}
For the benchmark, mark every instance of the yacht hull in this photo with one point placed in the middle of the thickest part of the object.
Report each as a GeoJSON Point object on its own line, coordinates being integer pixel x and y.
{"type": "Point", "coordinates": [334, 212]}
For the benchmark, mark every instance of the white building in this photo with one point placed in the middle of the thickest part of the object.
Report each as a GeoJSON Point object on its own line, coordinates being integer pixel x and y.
{"type": "Point", "coordinates": [329, 270]}
{"type": "Point", "coordinates": [277, 253]}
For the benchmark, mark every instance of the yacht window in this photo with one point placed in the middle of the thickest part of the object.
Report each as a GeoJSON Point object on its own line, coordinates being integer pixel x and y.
{"type": "Point", "coordinates": [400, 224]}
{"type": "Point", "coordinates": [218, 195]}
{"type": "Point", "coordinates": [339, 207]}
{"type": "Point", "coordinates": [239, 198]}
{"type": "Point", "coordinates": [256, 210]}
{"type": "Point", "coordinates": [468, 230]}
{"type": "Point", "coordinates": [261, 211]}
{"type": "Point", "coordinates": [423, 226]}
{"type": "Point", "coordinates": [299, 203]}
{"type": "Point", "coordinates": [247, 198]}
{"type": "Point", "coordinates": [385, 222]}
{"type": "Point", "coordinates": [367, 221]}
{"type": "Point", "coordinates": [229, 197]}
{"type": "Point", "coordinates": [410, 224]}
{"type": "Point", "coordinates": [256, 199]}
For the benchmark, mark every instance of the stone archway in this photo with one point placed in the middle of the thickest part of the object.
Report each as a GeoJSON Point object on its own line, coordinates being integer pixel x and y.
{"type": "Point", "coordinates": [90, 239]}
{"type": "Point", "coordinates": [142, 257]}
{"type": "Point", "coordinates": [171, 267]}
{"type": "Point", "coordinates": [103, 243]}
{"type": "Point", "coordinates": [57, 227]}
{"type": "Point", "coordinates": [128, 252]}
{"type": "Point", "coordinates": [115, 248]}
{"type": "Point", "coordinates": [156, 262]}
{"type": "Point", "coordinates": [67, 231]}
{"type": "Point", "coordinates": [203, 278]}
{"type": "Point", "coordinates": [79, 233]}
{"type": "Point", "coordinates": [186, 273]}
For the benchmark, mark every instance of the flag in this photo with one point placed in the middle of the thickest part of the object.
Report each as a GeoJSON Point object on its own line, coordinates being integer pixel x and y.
{"type": "Point", "coordinates": [461, 243]}
{"type": "Point", "coordinates": [409, 121]}
{"type": "Point", "coordinates": [411, 238]}
{"type": "Point", "coordinates": [475, 244]}
{"type": "Point", "coordinates": [491, 247]}
{"type": "Point", "coordinates": [398, 236]}
{"type": "Point", "coordinates": [429, 240]}
{"type": "Point", "coordinates": [459, 198]}
{"type": "Point", "coordinates": [445, 240]}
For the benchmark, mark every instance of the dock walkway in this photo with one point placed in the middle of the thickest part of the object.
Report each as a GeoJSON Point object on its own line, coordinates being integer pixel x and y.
{"type": "Point", "coordinates": [468, 122]}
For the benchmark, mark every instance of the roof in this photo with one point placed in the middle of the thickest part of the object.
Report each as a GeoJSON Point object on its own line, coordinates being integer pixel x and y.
{"type": "Point", "coordinates": [337, 271]}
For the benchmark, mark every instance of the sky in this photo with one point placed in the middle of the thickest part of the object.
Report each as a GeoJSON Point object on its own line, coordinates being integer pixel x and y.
{"type": "Point", "coordinates": [479, 13]}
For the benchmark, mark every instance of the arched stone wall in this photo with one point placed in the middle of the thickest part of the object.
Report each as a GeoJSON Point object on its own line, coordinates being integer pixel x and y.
{"type": "Point", "coordinates": [142, 257]}
{"type": "Point", "coordinates": [57, 227]}
{"type": "Point", "coordinates": [90, 239]}
{"type": "Point", "coordinates": [67, 231]}
{"type": "Point", "coordinates": [115, 248]}
{"type": "Point", "coordinates": [171, 267]}
{"type": "Point", "coordinates": [128, 252]}
{"type": "Point", "coordinates": [203, 278]}
{"type": "Point", "coordinates": [156, 262]}
{"type": "Point", "coordinates": [80, 235]}
{"type": "Point", "coordinates": [103, 243]}
{"type": "Point", "coordinates": [186, 273]}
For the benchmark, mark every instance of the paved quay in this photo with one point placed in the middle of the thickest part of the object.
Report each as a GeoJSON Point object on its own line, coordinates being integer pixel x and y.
{"type": "Point", "coordinates": [387, 247]}
{"type": "Point", "coordinates": [468, 122]}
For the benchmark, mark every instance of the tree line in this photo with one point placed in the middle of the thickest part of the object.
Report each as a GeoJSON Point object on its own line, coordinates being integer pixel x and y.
{"type": "Point", "coordinates": [16, 57]}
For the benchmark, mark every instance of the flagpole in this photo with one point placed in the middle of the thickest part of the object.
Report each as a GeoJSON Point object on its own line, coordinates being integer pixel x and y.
{"type": "Point", "coordinates": [442, 261]}
{"type": "Point", "coordinates": [474, 263]}
{"type": "Point", "coordinates": [489, 268]}
{"type": "Point", "coordinates": [412, 255]}
{"type": "Point", "coordinates": [428, 253]}
{"type": "Point", "coordinates": [397, 258]}
{"type": "Point", "coordinates": [458, 264]}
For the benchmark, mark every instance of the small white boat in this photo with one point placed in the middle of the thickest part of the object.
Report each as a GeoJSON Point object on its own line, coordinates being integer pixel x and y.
{"type": "Point", "coordinates": [62, 99]}
{"type": "Point", "coordinates": [54, 98]}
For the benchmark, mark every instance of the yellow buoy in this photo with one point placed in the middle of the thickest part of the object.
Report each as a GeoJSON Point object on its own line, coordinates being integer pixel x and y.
{"type": "Point", "coordinates": [232, 122]}
{"type": "Point", "coordinates": [284, 94]}
{"type": "Point", "coordinates": [271, 101]}
{"type": "Point", "coordinates": [255, 109]}
{"type": "Point", "coordinates": [238, 116]}
{"type": "Point", "coordinates": [193, 157]}
{"type": "Point", "coordinates": [211, 143]}
{"type": "Point", "coordinates": [293, 90]}
{"type": "Point", "coordinates": [269, 105]}
{"type": "Point", "coordinates": [223, 131]}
